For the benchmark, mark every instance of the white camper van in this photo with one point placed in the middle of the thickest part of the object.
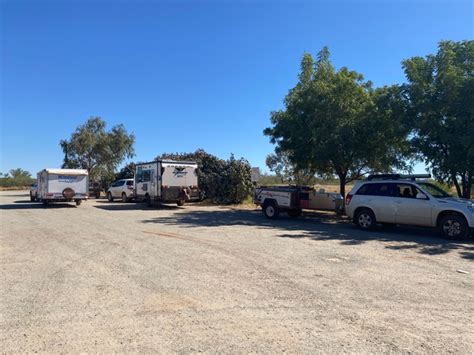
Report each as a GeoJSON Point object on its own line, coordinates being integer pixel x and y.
{"type": "Point", "coordinates": [166, 181]}
{"type": "Point", "coordinates": [62, 185]}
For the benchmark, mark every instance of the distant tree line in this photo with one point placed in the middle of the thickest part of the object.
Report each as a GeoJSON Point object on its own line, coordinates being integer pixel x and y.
{"type": "Point", "coordinates": [334, 123]}
{"type": "Point", "coordinates": [16, 178]}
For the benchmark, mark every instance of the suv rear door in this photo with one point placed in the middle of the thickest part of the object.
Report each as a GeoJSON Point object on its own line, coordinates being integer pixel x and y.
{"type": "Point", "coordinates": [379, 197]}
{"type": "Point", "coordinates": [412, 210]}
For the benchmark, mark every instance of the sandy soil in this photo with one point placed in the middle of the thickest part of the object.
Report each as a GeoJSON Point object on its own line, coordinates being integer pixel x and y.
{"type": "Point", "coordinates": [122, 277]}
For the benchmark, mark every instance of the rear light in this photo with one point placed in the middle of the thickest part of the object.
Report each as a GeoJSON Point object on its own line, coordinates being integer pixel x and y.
{"type": "Point", "coordinates": [348, 199]}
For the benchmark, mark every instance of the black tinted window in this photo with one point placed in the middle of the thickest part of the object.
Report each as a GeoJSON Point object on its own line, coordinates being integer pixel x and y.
{"type": "Point", "coordinates": [146, 175]}
{"type": "Point", "coordinates": [129, 183]}
{"type": "Point", "coordinates": [381, 189]}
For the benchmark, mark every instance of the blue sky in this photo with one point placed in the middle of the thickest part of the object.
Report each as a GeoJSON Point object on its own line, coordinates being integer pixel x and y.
{"type": "Point", "coordinates": [184, 75]}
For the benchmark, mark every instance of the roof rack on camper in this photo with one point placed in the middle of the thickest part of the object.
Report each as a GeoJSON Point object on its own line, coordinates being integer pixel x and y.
{"type": "Point", "coordinates": [398, 176]}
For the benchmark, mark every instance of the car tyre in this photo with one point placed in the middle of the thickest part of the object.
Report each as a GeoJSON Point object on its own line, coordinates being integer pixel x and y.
{"type": "Point", "coordinates": [180, 202]}
{"type": "Point", "coordinates": [110, 198]}
{"type": "Point", "coordinates": [32, 198]}
{"type": "Point", "coordinates": [454, 226]}
{"type": "Point", "coordinates": [124, 197]}
{"type": "Point", "coordinates": [365, 219]}
{"type": "Point", "coordinates": [78, 202]}
{"type": "Point", "coordinates": [271, 210]}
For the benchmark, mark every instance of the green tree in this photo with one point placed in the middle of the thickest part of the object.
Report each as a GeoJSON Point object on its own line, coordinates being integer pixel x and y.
{"type": "Point", "coordinates": [335, 123]}
{"type": "Point", "coordinates": [16, 178]}
{"type": "Point", "coordinates": [280, 164]}
{"type": "Point", "coordinates": [99, 151]}
{"type": "Point", "coordinates": [440, 89]}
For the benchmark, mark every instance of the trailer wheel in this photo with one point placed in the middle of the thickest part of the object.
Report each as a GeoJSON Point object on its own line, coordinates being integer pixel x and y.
{"type": "Point", "coordinates": [180, 202]}
{"type": "Point", "coordinates": [271, 210]}
{"type": "Point", "coordinates": [78, 202]}
{"type": "Point", "coordinates": [294, 213]}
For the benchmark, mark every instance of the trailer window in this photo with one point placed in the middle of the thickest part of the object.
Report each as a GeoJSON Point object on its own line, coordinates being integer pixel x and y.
{"type": "Point", "coordinates": [146, 175]}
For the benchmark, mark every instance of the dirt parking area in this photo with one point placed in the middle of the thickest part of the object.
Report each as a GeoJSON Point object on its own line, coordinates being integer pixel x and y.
{"type": "Point", "coordinates": [122, 277]}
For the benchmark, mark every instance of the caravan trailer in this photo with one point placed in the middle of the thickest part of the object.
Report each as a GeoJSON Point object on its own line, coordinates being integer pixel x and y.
{"type": "Point", "coordinates": [62, 185]}
{"type": "Point", "coordinates": [166, 181]}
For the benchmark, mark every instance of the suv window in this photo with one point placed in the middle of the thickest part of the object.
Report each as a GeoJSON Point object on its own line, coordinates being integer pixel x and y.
{"type": "Point", "coordinates": [129, 183]}
{"type": "Point", "coordinates": [378, 189]}
{"type": "Point", "coordinates": [406, 190]}
{"type": "Point", "coordinates": [117, 183]}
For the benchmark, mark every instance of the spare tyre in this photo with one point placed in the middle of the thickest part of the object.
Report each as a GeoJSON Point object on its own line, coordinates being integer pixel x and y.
{"type": "Point", "coordinates": [68, 193]}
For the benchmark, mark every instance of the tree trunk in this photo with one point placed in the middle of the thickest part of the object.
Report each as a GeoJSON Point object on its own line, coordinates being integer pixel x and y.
{"type": "Point", "coordinates": [467, 185]}
{"type": "Point", "coordinates": [342, 186]}
{"type": "Point", "coordinates": [456, 183]}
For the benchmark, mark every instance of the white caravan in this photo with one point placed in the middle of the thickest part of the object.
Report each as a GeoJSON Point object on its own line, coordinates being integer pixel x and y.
{"type": "Point", "coordinates": [62, 185]}
{"type": "Point", "coordinates": [166, 181]}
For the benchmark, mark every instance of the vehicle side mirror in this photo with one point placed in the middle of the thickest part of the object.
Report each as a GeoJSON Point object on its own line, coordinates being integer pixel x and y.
{"type": "Point", "coordinates": [421, 196]}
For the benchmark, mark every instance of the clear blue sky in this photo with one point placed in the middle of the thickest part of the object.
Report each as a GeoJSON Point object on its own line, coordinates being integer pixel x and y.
{"type": "Point", "coordinates": [184, 75]}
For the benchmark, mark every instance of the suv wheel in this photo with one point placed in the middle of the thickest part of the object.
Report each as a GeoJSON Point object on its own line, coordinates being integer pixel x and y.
{"type": "Point", "coordinates": [454, 226]}
{"type": "Point", "coordinates": [124, 197]}
{"type": "Point", "coordinates": [365, 219]}
{"type": "Point", "coordinates": [109, 197]}
{"type": "Point", "coordinates": [271, 210]}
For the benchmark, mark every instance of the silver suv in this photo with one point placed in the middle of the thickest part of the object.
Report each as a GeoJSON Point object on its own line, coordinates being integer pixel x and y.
{"type": "Point", "coordinates": [402, 199]}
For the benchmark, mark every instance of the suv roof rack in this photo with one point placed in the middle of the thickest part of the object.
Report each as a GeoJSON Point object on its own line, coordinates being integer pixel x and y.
{"type": "Point", "coordinates": [397, 176]}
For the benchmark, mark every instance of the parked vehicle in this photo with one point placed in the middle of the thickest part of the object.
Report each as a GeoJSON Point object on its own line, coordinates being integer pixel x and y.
{"type": "Point", "coordinates": [404, 199]}
{"type": "Point", "coordinates": [293, 199]}
{"type": "Point", "coordinates": [166, 181]}
{"type": "Point", "coordinates": [95, 189]}
{"type": "Point", "coordinates": [33, 192]}
{"type": "Point", "coordinates": [62, 185]}
{"type": "Point", "coordinates": [123, 189]}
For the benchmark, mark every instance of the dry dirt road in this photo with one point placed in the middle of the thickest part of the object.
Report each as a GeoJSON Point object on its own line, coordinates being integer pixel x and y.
{"type": "Point", "coordinates": [121, 277]}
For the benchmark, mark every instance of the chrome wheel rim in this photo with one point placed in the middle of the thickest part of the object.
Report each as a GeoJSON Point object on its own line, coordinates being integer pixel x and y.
{"type": "Point", "coordinates": [452, 228]}
{"type": "Point", "coordinates": [365, 221]}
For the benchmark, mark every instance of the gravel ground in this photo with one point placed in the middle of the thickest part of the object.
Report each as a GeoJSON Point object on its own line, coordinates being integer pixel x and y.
{"type": "Point", "coordinates": [121, 277]}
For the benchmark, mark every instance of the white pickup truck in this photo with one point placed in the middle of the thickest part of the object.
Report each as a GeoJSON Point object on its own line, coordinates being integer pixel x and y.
{"type": "Point", "coordinates": [293, 199]}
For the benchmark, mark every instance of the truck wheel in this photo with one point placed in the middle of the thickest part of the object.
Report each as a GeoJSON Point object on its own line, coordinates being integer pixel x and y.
{"type": "Point", "coordinates": [124, 197]}
{"type": "Point", "coordinates": [109, 197]}
{"type": "Point", "coordinates": [271, 210]}
{"type": "Point", "coordinates": [454, 226]}
{"type": "Point", "coordinates": [78, 202]}
{"type": "Point", "coordinates": [294, 213]}
{"type": "Point", "coordinates": [180, 203]}
{"type": "Point", "coordinates": [365, 219]}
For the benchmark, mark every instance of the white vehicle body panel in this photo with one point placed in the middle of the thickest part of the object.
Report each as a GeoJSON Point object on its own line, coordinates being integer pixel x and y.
{"type": "Point", "coordinates": [159, 178]}
{"type": "Point", "coordinates": [52, 183]}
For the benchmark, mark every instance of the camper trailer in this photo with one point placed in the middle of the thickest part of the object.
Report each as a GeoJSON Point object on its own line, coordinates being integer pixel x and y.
{"type": "Point", "coordinates": [166, 181]}
{"type": "Point", "coordinates": [62, 185]}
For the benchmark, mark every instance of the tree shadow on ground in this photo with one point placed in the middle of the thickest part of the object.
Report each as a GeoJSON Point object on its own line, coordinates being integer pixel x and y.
{"type": "Point", "coordinates": [323, 226]}
{"type": "Point", "coordinates": [131, 206]}
{"type": "Point", "coordinates": [27, 205]}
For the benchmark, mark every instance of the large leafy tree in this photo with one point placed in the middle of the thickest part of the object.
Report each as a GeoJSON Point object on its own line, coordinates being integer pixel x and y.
{"type": "Point", "coordinates": [285, 171]}
{"type": "Point", "coordinates": [441, 104]}
{"type": "Point", "coordinates": [335, 123]}
{"type": "Point", "coordinates": [94, 148]}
